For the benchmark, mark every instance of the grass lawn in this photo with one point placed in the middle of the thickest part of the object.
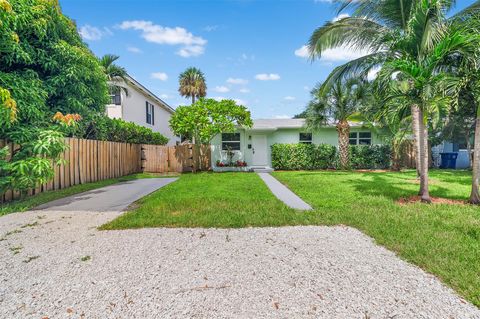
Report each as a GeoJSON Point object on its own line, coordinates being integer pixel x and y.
{"type": "Point", "coordinates": [442, 239]}
{"type": "Point", "coordinates": [42, 198]}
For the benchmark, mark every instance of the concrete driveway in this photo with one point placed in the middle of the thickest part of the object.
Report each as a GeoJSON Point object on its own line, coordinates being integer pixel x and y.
{"type": "Point", "coordinates": [115, 197]}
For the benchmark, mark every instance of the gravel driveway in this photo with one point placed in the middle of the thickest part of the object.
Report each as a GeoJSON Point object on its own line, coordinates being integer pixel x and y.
{"type": "Point", "coordinates": [57, 265]}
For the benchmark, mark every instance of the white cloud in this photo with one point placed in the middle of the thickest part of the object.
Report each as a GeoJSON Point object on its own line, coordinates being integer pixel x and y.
{"type": "Point", "coordinates": [267, 77]}
{"type": "Point", "coordinates": [237, 81]}
{"type": "Point", "coordinates": [244, 90]}
{"type": "Point", "coordinates": [340, 17]}
{"type": "Point", "coordinates": [240, 102]}
{"type": "Point", "coordinates": [372, 74]}
{"type": "Point", "coordinates": [306, 88]}
{"type": "Point", "coordinates": [302, 52]}
{"type": "Point", "coordinates": [221, 89]}
{"type": "Point", "coordinates": [164, 96]}
{"type": "Point", "coordinates": [210, 28]}
{"type": "Point", "coordinates": [87, 32]}
{"type": "Point", "coordinates": [343, 54]}
{"type": "Point", "coordinates": [289, 98]}
{"type": "Point", "coordinates": [192, 45]}
{"type": "Point", "coordinates": [282, 116]}
{"type": "Point", "coordinates": [134, 50]}
{"type": "Point", "coordinates": [334, 55]}
{"type": "Point", "coordinates": [159, 76]}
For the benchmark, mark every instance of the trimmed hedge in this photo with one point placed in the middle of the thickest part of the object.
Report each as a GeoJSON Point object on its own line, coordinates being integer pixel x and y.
{"type": "Point", "coordinates": [117, 130]}
{"type": "Point", "coordinates": [324, 156]}
{"type": "Point", "coordinates": [303, 156]}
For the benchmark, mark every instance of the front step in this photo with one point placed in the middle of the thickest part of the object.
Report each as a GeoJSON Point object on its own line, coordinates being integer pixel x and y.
{"type": "Point", "coordinates": [262, 169]}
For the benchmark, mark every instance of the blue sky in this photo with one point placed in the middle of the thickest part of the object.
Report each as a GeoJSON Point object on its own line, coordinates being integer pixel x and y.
{"type": "Point", "coordinates": [249, 50]}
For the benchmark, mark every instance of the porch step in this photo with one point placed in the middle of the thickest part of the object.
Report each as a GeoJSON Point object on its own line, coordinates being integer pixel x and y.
{"type": "Point", "coordinates": [262, 169]}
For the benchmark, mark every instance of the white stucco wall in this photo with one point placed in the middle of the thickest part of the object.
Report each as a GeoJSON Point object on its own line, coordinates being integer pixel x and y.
{"type": "Point", "coordinates": [133, 110]}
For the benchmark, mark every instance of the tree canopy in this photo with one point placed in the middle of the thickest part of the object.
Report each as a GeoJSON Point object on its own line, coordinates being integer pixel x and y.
{"type": "Point", "coordinates": [207, 117]}
{"type": "Point", "coordinates": [44, 65]}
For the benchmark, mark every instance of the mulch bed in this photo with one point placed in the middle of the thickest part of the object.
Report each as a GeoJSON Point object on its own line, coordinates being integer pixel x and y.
{"type": "Point", "coordinates": [435, 200]}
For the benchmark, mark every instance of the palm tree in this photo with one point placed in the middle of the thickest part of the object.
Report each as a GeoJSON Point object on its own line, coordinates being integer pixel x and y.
{"type": "Point", "coordinates": [406, 38]}
{"type": "Point", "coordinates": [192, 84]}
{"type": "Point", "coordinates": [339, 102]}
{"type": "Point", "coordinates": [115, 73]}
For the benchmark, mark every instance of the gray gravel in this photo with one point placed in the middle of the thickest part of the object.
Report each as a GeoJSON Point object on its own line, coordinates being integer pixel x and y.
{"type": "Point", "coordinates": [289, 272]}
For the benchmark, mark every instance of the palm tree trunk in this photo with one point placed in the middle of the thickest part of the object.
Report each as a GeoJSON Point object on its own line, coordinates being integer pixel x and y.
{"type": "Point", "coordinates": [395, 156]}
{"type": "Point", "coordinates": [423, 138]}
{"type": "Point", "coordinates": [193, 99]}
{"type": "Point", "coordinates": [416, 133]}
{"type": "Point", "coordinates": [343, 129]}
{"type": "Point", "coordinates": [475, 195]}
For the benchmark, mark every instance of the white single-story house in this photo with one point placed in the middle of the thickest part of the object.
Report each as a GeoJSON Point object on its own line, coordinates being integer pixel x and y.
{"type": "Point", "coordinates": [142, 107]}
{"type": "Point", "coordinates": [253, 145]}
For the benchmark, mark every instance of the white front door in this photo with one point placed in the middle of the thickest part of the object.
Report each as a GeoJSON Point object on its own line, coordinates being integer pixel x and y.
{"type": "Point", "coordinates": [259, 150]}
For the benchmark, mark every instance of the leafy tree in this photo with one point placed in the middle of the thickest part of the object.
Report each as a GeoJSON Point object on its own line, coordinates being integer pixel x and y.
{"type": "Point", "coordinates": [301, 115]}
{"type": "Point", "coordinates": [44, 65]}
{"type": "Point", "coordinates": [412, 38]}
{"type": "Point", "coordinates": [339, 102]}
{"type": "Point", "coordinates": [207, 117]}
{"type": "Point", "coordinates": [114, 73]}
{"type": "Point", "coordinates": [192, 84]}
{"type": "Point", "coordinates": [45, 68]}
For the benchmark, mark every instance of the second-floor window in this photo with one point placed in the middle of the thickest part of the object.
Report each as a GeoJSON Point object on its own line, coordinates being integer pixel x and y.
{"type": "Point", "coordinates": [305, 138]}
{"type": "Point", "coordinates": [150, 113]}
{"type": "Point", "coordinates": [116, 98]}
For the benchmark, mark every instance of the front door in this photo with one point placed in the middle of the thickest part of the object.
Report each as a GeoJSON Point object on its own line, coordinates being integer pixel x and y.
{"type": "Point", "coordinates": [259, 150]}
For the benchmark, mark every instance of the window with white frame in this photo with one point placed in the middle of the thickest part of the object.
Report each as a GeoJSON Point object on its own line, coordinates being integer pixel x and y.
{"type": "Point", "coordinates": [230, 141]}
{"type": "Point", "coordinates": [360, 138]}
{"type": "Point", "coordinates": [150, 113]}
{"type": "Point", "coordinates": [305, 138]}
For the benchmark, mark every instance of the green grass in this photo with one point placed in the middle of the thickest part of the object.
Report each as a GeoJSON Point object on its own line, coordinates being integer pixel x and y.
{"type": "Point", "coordinates": [442, 239]}
{"type": "Point", "coordinates": [42, 198]}
{"type": "Point", "coordinates": [208, 200]}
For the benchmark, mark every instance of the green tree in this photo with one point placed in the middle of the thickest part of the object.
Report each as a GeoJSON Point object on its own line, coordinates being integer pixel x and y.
{"type": "Point", "coordinates": [45, 68]}
{"type": "Point", "coordinates": [192, 84]}
{"type": "Point", "coordinates": [340, 103]}
{"type": "Point", "coordinates": [207, 117]}
{"type": "Point", "coordinates": [114, 73]}
{"type": "Point", "coordinates": [412, 38]}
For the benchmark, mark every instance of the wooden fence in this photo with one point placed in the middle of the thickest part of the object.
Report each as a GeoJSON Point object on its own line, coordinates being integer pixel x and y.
{"type": "Point", "coordinates": [87, 161]}
{"type": "Point", "coordinates": [180, 158]}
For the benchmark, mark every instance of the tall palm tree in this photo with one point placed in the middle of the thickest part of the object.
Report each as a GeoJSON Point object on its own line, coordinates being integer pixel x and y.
{"type": "Point", "coordinates": [115, 73]}
{"type": "Point", "coordinates": [192, 84]}
{"type": "Point", "coordinates": [409, 38]}
{"type": "Point", "coordinates": [339, 102]}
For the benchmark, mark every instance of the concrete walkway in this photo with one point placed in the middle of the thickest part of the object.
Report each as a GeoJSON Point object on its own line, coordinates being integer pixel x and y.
{"type": "Point", "coordinates": [115, 197]}
{"type": "Point", "coordinates": [283, 193]}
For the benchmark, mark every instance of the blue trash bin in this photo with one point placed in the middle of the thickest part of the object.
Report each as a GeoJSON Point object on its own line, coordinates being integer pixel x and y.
{"type": "Point", "coordinates": [449, 160]}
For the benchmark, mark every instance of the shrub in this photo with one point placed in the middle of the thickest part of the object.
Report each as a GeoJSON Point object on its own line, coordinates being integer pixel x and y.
{"type": "Point", "coordinates": [102, 128]}
{"type": "Point", "coordinates": [370, 157]}
{"type": "Point", "coordinates": [323, 156]}
{"type": "Point", "coordinates": [303, 156]}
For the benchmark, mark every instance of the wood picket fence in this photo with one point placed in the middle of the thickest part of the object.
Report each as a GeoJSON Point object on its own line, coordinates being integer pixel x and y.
{"type": "Point", "coordinates": [88, 161]}
{"type": "Point", "coordinates": [180, 158]}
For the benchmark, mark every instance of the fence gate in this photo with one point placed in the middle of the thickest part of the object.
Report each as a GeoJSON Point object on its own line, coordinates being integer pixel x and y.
{"type": "Point", "coordinates": [180, 158]}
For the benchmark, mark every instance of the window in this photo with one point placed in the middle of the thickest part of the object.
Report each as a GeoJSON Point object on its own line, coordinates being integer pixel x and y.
{"type": "Point", "coordinates": [150, 111]}
{"type": "Point", "coordinates": [116, 99]}
{"type": "Point", "coordinates": [305, 138]}
{"type": "Point", "coordinates": [360, 138]}
{"type": "Point", "coordinates": [231, 141]}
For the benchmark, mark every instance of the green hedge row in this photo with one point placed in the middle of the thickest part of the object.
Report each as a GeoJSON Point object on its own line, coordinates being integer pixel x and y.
{"type": "Point", "coordinates": [324, 156]}
{"type": "Point", "coordinates": [116, 130]}
{"type": "Point", "coordinates": [303, 156]}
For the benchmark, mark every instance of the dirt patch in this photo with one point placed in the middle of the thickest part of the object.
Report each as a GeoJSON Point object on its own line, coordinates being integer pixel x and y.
{"type": "Point", "coordinates": [435, 200]}
{"type": "Point", "coordinates": [416, 181]}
